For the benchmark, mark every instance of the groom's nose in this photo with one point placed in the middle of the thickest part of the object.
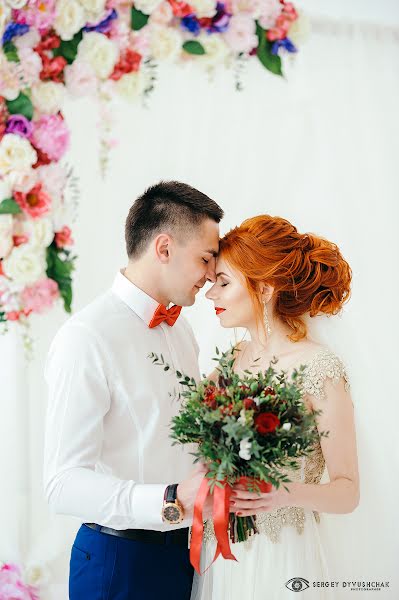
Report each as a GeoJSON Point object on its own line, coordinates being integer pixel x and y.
{"type": "Point", "coordinates": [211, 272]}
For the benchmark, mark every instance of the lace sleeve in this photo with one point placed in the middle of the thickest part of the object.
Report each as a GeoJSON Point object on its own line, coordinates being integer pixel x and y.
{"type": "Point", "coordinates": [324, 364]}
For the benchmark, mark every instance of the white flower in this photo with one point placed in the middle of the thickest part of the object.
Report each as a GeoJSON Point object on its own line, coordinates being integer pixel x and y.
{"type": "Point", "coordinates": [147, 6]}
{"type": "Point", "coordinates": [6, 231]}
{"type": "Point", "coordinates": [130, 86]}
{"type": "Point", "coordinates": [40, 232]}
{"type": "Point", "coordinates": [269, 11]}
{"type": "Point", "coordinates": [165, 42]}
{"type": "Point", "coordinates": [28, 40]}
{"type": "Point", "coordinates": [204, 8]}
{"type": "Point", "coordinates": [94, 9]}
{"type": "Point", "coordinates": [4, 14]}
{"type": "Point", "coordinates": [69, 19]}
{"type": "Point", "coordinates": [245, 449]}
{"type": "Point", "coordinates": [9, 79]}
{"type": "Point", "coordinates": [16, 3]}
{"type": "Point", "coordinates": [37, 574]}
{"type": "Point", "coordinates": [216, 49]}
{"type": "Point", "coordinates": [299, 31]}
{"type": "Point", "coordinates": [5, 188]}
{"type": "Point", "coordinates": [25, 264]}
{"type": "Point", "coordinates": [100, 52]}
{"type": "Point", "coordinates": [23, 181]}
{"type": "Point", "coordinates": [48, 96]}
{"type": "Point", "coordinates": [241, 419]}
{"type": "Point", "coordinates": [16, 153]}
{"type": "Point", "coordinates": [286, 426]}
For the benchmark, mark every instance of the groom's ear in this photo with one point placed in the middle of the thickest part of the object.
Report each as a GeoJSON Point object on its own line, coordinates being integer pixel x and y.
{"type": "Point", "coordinates": [162, 245]}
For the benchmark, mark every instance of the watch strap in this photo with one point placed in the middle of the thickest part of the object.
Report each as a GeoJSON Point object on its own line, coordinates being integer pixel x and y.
{"type": "Point", "coordinates": [171, 493]}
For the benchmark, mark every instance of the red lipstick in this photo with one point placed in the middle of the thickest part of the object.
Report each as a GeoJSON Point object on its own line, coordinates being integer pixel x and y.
{"type": "Point", "coordinates": [219, 310]}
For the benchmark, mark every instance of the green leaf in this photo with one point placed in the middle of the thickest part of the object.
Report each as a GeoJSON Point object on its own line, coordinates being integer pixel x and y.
{"type": "Point", "coordinates": [270, 61]}
{"type": "Point", "coordinates": [9, 207]}
{"type": "Point", "coordinates": [60, 270]}
{"type": "Point", "coordinates": [11, 52]}
{"type": "Point", "coordinates": [193, 47]}
{"type": "Point", "coordinates": [21, 106]}
{"type": "Point", "coordinates": [138, 19]}
{"type": "Point", "coordinates": [69, 49]}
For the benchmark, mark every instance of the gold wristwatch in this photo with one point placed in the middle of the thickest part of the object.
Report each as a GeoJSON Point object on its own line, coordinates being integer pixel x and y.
{"type": "Point", "coordinates": [172, 510]}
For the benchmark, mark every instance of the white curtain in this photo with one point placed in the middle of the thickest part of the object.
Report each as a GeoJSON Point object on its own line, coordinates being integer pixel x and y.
{"type": "Point", "coordinates": [319, 148]}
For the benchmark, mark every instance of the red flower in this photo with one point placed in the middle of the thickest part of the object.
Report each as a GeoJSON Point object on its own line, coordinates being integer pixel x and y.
{"type": "Point", "coordinates": [181, 9]}
{"type": "Point", "coordinates": [63, 238]}
{"type": "Point", "coordinates": [210, 397]}
{"type": "Point", "coordinates": [129, 61]}
{"type": "Point", "coordinates": [269, 391]}
{"type": "Point", "coordinates": [35, 203]}
{"type": "Point", "coordinates": [266, 423]}
{"type": "Point", "coordinates": [249, 404]}
{"type": "Point", "coordinates": [53, 68]}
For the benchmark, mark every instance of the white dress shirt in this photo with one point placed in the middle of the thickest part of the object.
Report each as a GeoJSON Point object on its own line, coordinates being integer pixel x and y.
{"type": "Point", "coordinates": [108, 456]}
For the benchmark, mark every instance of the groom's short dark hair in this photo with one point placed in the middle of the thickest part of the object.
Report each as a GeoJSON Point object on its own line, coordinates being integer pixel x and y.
{"type": "Point", "coordinates": [167, 205]}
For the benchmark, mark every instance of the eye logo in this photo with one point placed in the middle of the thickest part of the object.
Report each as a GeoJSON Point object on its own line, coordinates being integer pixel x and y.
{"type": "Point", "coordinates": [297, 584]}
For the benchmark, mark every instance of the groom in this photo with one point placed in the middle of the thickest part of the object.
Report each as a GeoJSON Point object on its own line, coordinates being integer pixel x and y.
{"type": "Point", "coordinates": [108, 456]}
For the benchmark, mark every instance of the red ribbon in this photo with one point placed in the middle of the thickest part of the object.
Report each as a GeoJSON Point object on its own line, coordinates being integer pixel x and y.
{"type": "Point", "coordinates": [220, 515]}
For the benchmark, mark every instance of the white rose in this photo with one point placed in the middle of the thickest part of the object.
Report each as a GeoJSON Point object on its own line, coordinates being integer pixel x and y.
{"type": "Point", "coordinates": [94, 9]}
{"type": "Point", "coordinates": [16, 3]}
{"type": "Point", "coordinates": [37, 574]}
{"type": "Point", "coordinates": [204, 8]}
{"type": "Point", "coordinates": [216, 49]}
{"type": "Point", "coordinates": [48, 96]}
{"type": "Point", "coordinates": [9, 78]}
{"type": "Point", "coordinates": [28, 40]}
{"type": "Point", "coordinates": [25, 265]}
{"type": "Point", "coordinates": [130, 86]}
{"type": "Point", "coordinates": [70, 18]}
{"type": "Point", "coordinates": [241, 419]}
{"type": "Point", "coordinates": [147, 6]}
{"type": "Point", "coordinates": [23, 181]}
{"type": "Point", "coordinates": [286, 426]}
{"type": "Point", "coordinates": [100, 52]}
{"type": "Point", "coordinates": [245, 449]}
{"type": "Point", "coordinates": [40, 232]}
{"type": "Point", "coordinates": [16, 153]}
{"type": "Point", "coordinates": [4, 14]}
{"type": "Point", "coordinates": [6, 230]}
{"type": "Point", "coordinates": [165, 42]}
{"type": "Point", "coordinates": [5, 188]}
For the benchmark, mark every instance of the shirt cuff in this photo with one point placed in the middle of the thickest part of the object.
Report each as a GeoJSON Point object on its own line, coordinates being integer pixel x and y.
{"type": "Point", "coordinates": [147, 505]}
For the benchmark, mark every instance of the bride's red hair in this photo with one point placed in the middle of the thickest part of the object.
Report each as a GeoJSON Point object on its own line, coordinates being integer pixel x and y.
{"type": "Point", "coordinates": [308, 273]}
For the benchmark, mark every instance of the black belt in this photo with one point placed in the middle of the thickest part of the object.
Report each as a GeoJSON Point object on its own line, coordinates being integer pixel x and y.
{"type": "Point", "coordinates": [178, 537]}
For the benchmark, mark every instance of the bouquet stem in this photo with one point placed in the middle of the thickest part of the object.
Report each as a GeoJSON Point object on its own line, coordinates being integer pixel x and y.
{"type": "Point", "coordinates": [242, 528]}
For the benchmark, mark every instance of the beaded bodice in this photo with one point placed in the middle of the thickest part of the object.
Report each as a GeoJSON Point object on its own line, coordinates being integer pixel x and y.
{"type": "Point", "coordinates": [324, 364]}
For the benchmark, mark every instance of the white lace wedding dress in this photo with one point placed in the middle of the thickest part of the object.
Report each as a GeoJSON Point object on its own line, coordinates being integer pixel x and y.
{"type": "Point", "coordinates": [289, 545]}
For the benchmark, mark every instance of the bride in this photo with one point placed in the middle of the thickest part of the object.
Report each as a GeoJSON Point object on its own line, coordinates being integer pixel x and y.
{"type": "Point", "coordinates": [270, 279]}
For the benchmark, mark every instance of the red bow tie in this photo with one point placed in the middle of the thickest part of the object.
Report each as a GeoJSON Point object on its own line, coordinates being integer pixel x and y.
{"type": "Point", "coordinates": [162, 313]}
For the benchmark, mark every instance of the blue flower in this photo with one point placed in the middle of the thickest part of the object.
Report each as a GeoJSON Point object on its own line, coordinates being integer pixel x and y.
{"type": "Point", "coordinates": [13, 30]}
{"type": "Point", "coordinates": [191, 23]}
{"type": "Point", "coordinates": [104, 25]}
{"type": "Point", "coordinates": [285, 43]}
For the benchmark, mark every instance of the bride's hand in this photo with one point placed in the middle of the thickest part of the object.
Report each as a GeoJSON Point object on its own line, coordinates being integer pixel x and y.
{"type": "Point", "coordinates": [246, 503]}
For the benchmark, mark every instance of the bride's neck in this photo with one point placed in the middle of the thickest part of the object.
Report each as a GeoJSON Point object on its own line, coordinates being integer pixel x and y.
{"type": "Point", "coordinates": [276, 343]}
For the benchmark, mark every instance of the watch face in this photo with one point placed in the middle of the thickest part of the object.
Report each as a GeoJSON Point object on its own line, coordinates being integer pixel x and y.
{"type": "Point", "coordinates": [171, 513]}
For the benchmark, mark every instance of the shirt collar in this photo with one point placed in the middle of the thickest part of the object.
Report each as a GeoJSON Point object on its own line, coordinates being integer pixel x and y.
{"type": "Point", "coordinates": [141, 303]}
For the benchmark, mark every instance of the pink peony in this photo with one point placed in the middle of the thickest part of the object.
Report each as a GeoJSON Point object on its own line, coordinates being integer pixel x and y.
{"type": "Point", "coordinates": [35, 203]}
{"type": "Point", "coordinates": [40, 296]}
{"type": "Point", "coordinates": [80, 79]}
{"type": "Point", "coordinates": [51, 136]}
{"type": "Point", "coordinates": [11, 586]}
{"type": "Point", "coordinates": [30, 65]}
{"type": "Point", "coordinates": [241, 35]}
{"type": "Point", "coordinates": [63, 238]}
{"type": "Point", "coordinates": [270, 10]}
{"type": "Point", "coordinates": [39, 14]}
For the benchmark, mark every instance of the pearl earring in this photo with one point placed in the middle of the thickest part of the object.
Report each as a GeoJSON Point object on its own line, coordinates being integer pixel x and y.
{"type": "Point", "coordinates": [266, 320]}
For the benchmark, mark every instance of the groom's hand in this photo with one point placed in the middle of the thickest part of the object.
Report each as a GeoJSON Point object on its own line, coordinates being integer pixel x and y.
{"type": "Point", "coordinates": [187, 492]}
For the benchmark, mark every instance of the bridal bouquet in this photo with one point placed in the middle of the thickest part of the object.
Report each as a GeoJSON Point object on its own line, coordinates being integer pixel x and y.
{"type": "Point", "coordinates": [248, 430]}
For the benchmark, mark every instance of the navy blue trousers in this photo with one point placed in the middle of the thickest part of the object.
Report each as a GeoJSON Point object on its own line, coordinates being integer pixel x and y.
{"type": "Point", "coordinates": [106, 567]}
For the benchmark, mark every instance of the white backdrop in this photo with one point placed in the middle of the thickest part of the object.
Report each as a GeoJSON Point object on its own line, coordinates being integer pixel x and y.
{"type": "Point", "coordinates": [319, 148]}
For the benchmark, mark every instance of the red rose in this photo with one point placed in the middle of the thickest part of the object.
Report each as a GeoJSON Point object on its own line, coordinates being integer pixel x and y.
{"type": "Point", "coordinates": [249, 404]}
{"type": "Point", "coordinates": [266, 423]}
{"type": "Point", "coordinates": [210, 397]}
{"type": "Point", "coordinates": [269, 391]}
